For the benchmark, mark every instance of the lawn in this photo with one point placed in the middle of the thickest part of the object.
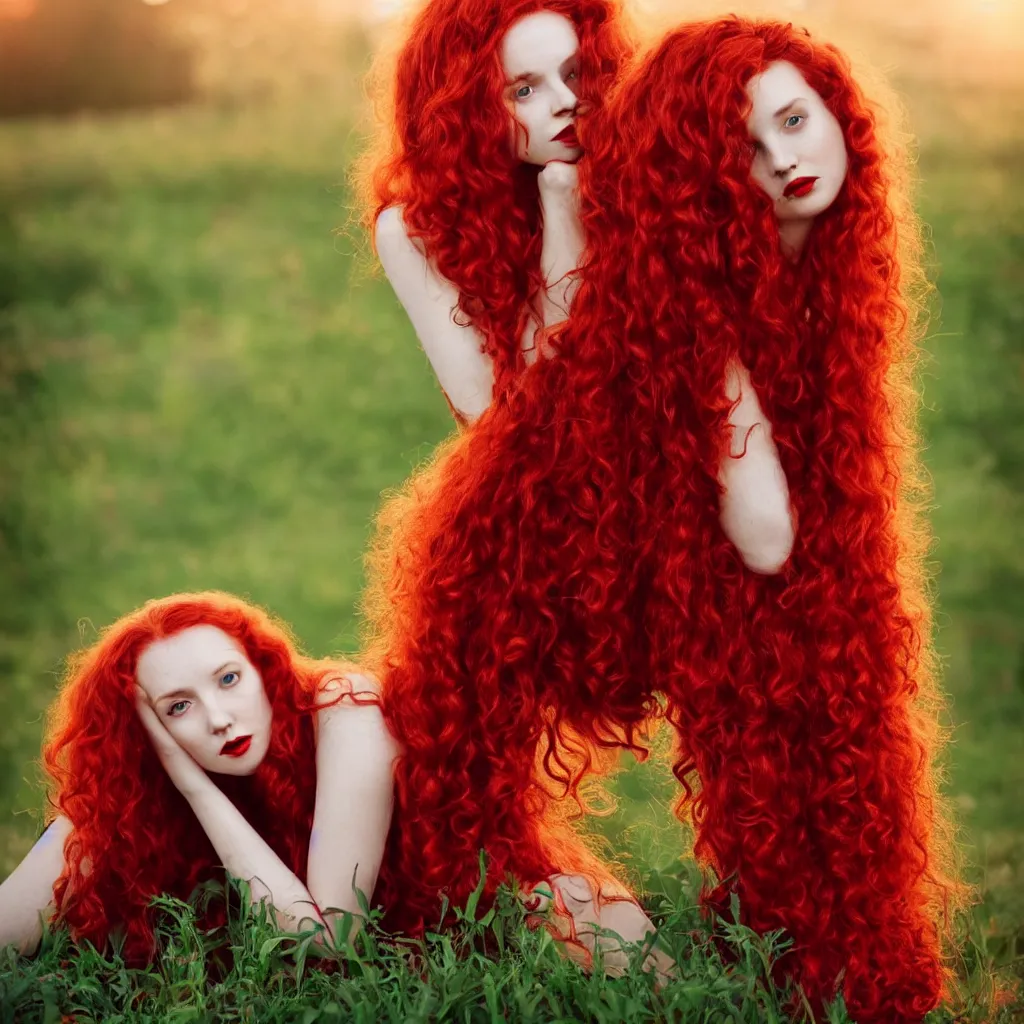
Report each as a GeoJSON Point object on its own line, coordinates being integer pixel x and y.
{"type": "Point", "coordinates": [203, 385]}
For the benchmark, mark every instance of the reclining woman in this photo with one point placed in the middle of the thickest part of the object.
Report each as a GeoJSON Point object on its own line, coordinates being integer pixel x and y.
{"type": "Point", "coordinates": [197, 709]}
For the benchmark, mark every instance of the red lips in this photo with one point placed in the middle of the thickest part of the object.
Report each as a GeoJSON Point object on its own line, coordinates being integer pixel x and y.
{"type": "Point", "coordinates": [236, 747]}
{"type": "Point", "coordinates": [799, 187]}
{"type": "Point", "coordinates": [567, 136]}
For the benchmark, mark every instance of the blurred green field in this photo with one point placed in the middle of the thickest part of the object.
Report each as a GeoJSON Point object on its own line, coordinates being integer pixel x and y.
{"type": "Point", "coordinates": [201, 386]}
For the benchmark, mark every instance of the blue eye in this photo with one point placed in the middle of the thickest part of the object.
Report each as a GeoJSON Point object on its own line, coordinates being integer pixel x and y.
{"type": "Point", "coordinates": [523, 92]}
{"type": "Point", "coordinates": [229, 679]}
{"type": "Point", "coordinates": [793, 120]}
{"type": "Point", "coordinates": [182, 704]}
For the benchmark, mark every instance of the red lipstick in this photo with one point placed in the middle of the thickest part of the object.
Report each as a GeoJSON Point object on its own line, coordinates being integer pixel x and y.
{"type": "Point", "coordinates": [799, 187]}
{"type": "Point", "coordinates": [567, 136]}
{"type": "Point", "coordinates": [236, 747]}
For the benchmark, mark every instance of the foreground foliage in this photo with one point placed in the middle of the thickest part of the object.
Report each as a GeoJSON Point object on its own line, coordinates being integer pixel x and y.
{"type": "Point", "coordinates": [491, 967]}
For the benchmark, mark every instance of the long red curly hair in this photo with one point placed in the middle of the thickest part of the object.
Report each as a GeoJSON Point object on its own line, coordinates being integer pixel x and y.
{"type": "Point", "coordinates": [559, 565]}
{"type": "Point", "coordinates": [133, 834]}
{"type": "Point", "coordinates": [442, 150]}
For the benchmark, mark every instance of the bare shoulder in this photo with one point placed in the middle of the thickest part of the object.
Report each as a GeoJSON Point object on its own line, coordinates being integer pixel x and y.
{"type": "Point", "coordinates": [390, 230]}
{"type": "Point", "coordinates": [348, 689]}
{"type": "Point", "coordinates": [350, 722]}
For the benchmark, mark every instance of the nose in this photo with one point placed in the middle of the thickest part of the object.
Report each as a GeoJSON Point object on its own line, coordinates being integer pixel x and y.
{"type": "Point", "coordinates": [219, 718]}
{"type": "Point", "coordinates": [563, 99]}
{"type": "Point", "coordinates": [783, 161]}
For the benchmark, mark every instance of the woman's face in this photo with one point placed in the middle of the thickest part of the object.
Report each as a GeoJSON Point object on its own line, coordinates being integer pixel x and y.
{"type": "Point", "coordinates": [209, 697]}
{"type": "Point", "coordinates": [799, 151]}
{"type": "Point", "coordinates": [540, 58]}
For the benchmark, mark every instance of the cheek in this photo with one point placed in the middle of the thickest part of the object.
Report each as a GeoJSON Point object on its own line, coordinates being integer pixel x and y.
{"type": "Point", "coordinates": [527, 129]}
{"type": "Point", "coordinates": [843, 161]}
{"type": "Point", "coordinates": [759, 174]}
{"type": "Point", "coordinates": [185, 731]}
{"type": "Point", "coordinates": [517, 134]}
{"type": "Point", "coordinates": [258, 704]}
{"type": "Point", "coordinates": [833, 147]}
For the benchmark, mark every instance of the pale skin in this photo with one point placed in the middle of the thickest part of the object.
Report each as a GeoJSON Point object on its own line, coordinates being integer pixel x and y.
{"type": "Point", "coordinates": [198, 696]}
{"type": "Point", "coordinates": [539, 59]}
{"type": "Point", "coordinates": [800, 161]}
{"type": "Point", "coordinates": [797, 142]}
{"type": "Point", "coordinates": [538, 55]}
{"type": "Point", "coordinates": [602, 926]}
{"type": "Point", "coordinates": [182, 683]}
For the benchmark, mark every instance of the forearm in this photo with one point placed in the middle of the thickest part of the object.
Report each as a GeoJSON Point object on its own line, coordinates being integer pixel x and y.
{"type": "Point", "coordinates": [561, 253]}
{"type": "Point", "coordinates": [347, 845]}
{"type": "Point", "coordinates": [755, 511]}
{"type": "Point", "coordinates": [26, 897]}
{"type": "Point", "coordinates": [354, 802]}
{"type": "Point", "coordinates": [245, 854]}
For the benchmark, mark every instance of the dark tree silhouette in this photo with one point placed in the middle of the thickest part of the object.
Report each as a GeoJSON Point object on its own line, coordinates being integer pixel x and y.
{"type": "Point", "coordinates": [75, 55]}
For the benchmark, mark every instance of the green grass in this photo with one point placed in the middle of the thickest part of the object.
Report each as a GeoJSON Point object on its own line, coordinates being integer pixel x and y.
{"type": "Point", "coordinates": [201, 387]}
{"type": "Point", "coordinates": [489, 967]}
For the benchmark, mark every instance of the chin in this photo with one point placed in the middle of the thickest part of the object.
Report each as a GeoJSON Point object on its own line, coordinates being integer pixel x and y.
{"type": "Point", "coordinates": [227, 767]}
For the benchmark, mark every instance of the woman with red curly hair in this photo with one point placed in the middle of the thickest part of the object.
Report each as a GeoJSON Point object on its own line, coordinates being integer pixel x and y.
{"type": "Point", "coordinates": [284, 762]}
{"type": "Point", "coordinates": [469, 185]}
{"type": "Point", "coordinates": [197, 708]}
{"type": "Point", "coordinates": [559, 566]}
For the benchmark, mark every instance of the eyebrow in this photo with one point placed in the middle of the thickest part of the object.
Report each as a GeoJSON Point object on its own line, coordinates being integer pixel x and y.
{"type": "Point", "coordinates": [190, 693]}
{"type": "Point", "coordinates": [174, 694]}
{"type": "Point", "coordinates": [791, 103]}
{"type": "Point", "coordinates": [532, 76]}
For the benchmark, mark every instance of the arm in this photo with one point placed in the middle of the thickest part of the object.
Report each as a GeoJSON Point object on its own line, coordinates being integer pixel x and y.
{"type": "Point", "coordinates": [561, 247]}
{"type": "Point", "coordinates": [456, 354]}
{"type": "Point", "coordinates": [241, 849]}
{"type": "Point", "coordinates": [245, 854]}
{"type": "Point", "coordinates": [355, 756]}
{"type": "Point", "coordinates": [27, 895]}
{"type": "Point", "coordinates": [567, 908]}
{"type": "Point", "coordinates": [755, 512]}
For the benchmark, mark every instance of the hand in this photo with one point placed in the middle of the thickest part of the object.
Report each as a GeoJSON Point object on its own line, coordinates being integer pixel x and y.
{"type": "Point", "coordinates": [558, 181]}
{"type": "Point", "coordinates": [185, 773]}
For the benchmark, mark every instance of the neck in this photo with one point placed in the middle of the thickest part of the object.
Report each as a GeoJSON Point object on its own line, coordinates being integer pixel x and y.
{"type": "Point", "coordinates": [793, 235]}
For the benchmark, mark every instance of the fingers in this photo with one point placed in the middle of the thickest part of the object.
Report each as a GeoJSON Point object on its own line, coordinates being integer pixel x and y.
{"type": "Point", "coordinates": [145, 709]}
{"type": "Point", "coordinates": [161, 738]}
{"type": "Point", "coordinates": [558, 176]}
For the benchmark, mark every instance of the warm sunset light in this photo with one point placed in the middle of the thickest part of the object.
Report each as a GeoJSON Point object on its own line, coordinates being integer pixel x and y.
{"type": "Point", "coordinates": [15, 10]}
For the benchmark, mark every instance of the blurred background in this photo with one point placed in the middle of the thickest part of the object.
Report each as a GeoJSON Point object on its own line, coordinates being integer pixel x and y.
{"type": "Point", "coordinates": [203, 384]}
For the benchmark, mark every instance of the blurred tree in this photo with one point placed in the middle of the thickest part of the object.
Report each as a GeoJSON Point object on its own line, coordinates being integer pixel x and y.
{"type": "Point", "coordinates": [67, 56]}
{"type": "Point", "coordinates": [249, 50]}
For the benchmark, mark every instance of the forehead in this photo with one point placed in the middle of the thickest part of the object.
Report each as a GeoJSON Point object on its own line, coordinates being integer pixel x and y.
{"type": "Point", "coordinates": [780, 83]}
{"type": "Point", "coordinates": [537, 43]}
{"type": "Point", "coordinates": [180, 659]}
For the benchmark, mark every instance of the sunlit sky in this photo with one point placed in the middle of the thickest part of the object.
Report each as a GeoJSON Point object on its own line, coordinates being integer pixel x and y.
{"type": "Point", "coordinates": [962, 39]}
{"type": "Point", "coordinates": [985, 33]}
